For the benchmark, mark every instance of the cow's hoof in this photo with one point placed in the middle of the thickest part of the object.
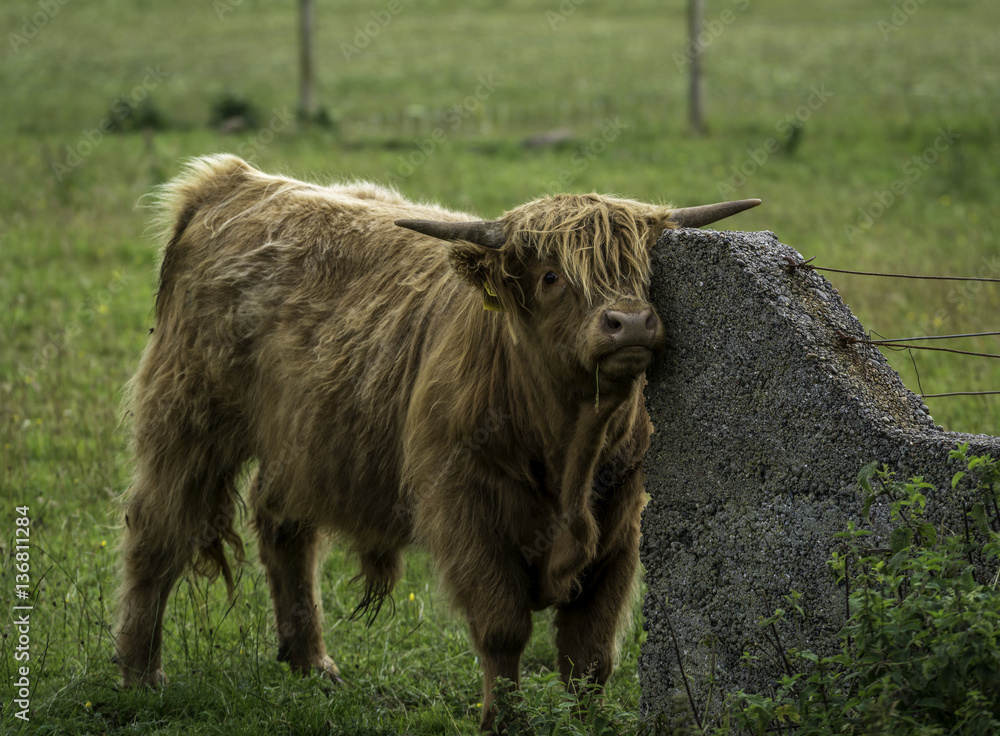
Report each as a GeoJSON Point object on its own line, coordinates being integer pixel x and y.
{"type": "Point", "coordinates": [329, 670]}
{"type": "Point", "coordinates": [148, 679]}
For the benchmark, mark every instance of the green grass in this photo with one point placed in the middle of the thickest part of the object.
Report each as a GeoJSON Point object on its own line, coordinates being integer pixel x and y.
{"type": "Point", "coordinates": [78, 273]}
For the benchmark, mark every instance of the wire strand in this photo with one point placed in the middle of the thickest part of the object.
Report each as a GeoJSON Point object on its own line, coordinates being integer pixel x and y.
{"type": "Point", "coordinates": [889, 344]}
{"type": "Point", "coordinates": [792, 265]}
{"type": "Point", "coordinates": [933, 337]}
{"type": "Point", "coordinates": [902, 275]}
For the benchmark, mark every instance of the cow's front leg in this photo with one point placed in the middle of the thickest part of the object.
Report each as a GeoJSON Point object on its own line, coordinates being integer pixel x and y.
{"type": "Point", "coordinates": [588, 626]}
{"type": "Point", "coordinates": [467, 527]}
{"type": "Point", "coordinates": [490, 583]}
{"type": "Point", "coordinates": [500, 630]}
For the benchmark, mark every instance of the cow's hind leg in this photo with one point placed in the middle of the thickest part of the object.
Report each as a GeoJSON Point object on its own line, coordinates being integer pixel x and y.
{"type": "Point", "coordinates": [290, 552]}
{"type": "Point", "coordinates": [149, 576]}
{"type": "Point", "coordinates": [170, 517]}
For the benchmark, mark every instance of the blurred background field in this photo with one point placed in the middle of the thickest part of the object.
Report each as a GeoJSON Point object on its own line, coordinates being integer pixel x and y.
{"type": "Point", "coordinates": [871, 130]}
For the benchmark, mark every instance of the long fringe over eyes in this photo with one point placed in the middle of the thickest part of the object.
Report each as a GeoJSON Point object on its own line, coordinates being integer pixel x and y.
{"type": "Point", "coordinates": [603, 244]}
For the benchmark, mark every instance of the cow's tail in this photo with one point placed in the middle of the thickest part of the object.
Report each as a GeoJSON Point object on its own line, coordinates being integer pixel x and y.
{"type": "Point", "coordinates": [380, 570]}
{"type": "Point", "coordinates": [207, 184]}
{"type": "Point", "coordinates": [187, 443]}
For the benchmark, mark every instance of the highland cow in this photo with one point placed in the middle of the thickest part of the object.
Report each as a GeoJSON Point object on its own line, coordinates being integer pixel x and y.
{"type": "Point", "coordinates": [328, 334]}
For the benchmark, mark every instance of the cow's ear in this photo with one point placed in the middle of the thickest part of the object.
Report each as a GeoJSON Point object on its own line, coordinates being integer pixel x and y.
{"type": "Point", "coordinates": [473, 263]}
{"type": "Point", "coordinates": [483, 269]}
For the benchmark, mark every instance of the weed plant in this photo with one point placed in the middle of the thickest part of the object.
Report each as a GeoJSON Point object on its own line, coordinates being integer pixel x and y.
{"type": "Point", "coordinates": [920, 652]}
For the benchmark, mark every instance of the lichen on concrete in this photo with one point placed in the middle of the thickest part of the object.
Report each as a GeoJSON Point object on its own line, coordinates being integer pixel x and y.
{"type": "Point", "coordinates": [764, 415]}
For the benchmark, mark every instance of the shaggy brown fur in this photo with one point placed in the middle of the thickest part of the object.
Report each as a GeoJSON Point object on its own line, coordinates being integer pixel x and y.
{"type": "Point", "coordinates": [297, 326]}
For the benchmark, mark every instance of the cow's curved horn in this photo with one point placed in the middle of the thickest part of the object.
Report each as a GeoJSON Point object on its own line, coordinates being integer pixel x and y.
{"type": "Point", "coordinates": [709, 213]}
{"type": "Point", "coordinates": [487, 233]}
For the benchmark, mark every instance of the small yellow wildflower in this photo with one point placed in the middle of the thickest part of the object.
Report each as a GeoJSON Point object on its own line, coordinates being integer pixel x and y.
{"type": "Point", "coordinates": [412, 597]}
{"type": "Point", "coordinates": [87, 704]}
{"type": "Point", "coordinates": [104, 543]}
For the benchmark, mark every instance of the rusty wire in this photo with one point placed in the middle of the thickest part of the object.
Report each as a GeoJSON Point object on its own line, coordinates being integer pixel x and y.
{"type": "Point", "coordinates": [934, 337]}
{"type": "Point", "coordinates": [849, 340]}
{"type": "Point", "coordinates": [792, 265]}
{"type": "Point", "coordinates": [908, 276]}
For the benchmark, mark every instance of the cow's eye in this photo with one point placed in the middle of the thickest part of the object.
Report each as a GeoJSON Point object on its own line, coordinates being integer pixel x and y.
{"type": "Point", "coordinates": [550, 278]}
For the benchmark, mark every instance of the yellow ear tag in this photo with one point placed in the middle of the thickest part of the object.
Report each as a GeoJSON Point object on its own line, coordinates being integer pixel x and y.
{"type": "Point", "coordinates": [491, 302]}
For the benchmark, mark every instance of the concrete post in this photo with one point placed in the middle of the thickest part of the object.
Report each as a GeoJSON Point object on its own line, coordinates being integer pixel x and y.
{"type": "Point", "coordinates": [764, 417]}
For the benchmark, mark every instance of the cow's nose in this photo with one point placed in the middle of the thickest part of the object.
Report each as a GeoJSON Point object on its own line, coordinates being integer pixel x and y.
{"type": "Point", "coordinates": [630, 328]}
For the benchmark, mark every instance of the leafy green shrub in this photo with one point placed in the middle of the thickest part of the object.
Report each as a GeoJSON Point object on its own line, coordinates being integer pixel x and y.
{"type": "Point", "coordinates": [544, 708]}
{"type": "Point", "coordinates": [920, 652]}
{"type": "Point", "coordinates": [234, 110]}
{"type": "Point", "coordinates": [125, 117]}
{"type": "Point", "coordinates": [321, 118]}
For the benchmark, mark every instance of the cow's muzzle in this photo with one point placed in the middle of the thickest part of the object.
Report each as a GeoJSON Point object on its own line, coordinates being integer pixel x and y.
{"type": "Point", "coordinates": [630, 329]}
{"type": "Point", "coordinates": [631, 338]}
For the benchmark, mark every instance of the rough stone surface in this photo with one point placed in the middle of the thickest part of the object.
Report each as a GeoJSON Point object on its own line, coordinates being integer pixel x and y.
{"type": "Point", "coordinates": [764, 417]}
